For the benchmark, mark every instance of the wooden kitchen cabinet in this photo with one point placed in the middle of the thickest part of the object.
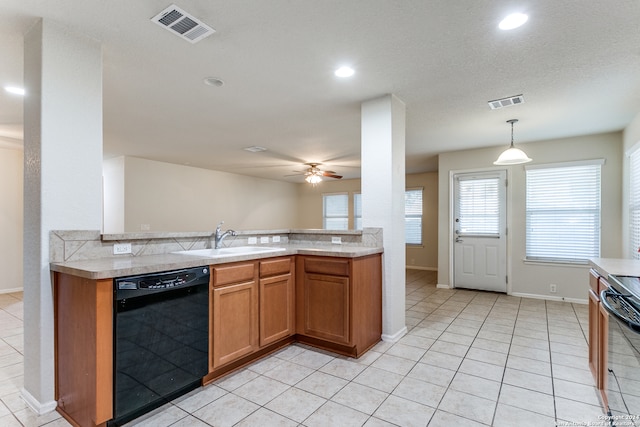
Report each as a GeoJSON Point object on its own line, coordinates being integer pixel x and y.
{"type": "Point", "coordinates": [234, 312]}
{"type": "Point", "coordinates": [598, 333]}
{"type": "Point", "coordinates": [594, 312]}
{"type": "Point", "coordinates": [277, 304]}
{"type": "Point", "coordinates": [83, 336]}
{"type": "Point", "coordinates": [339, 302]}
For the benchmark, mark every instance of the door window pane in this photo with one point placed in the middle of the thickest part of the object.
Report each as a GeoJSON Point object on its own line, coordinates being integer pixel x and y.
{"type": "Point", "coordinates": [478, 206]}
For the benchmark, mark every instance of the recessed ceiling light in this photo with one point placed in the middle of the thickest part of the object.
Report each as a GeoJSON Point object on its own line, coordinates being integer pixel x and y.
{"type": "Point", "coordinates": [213, 81]}
{"type": "Point", "coordinates": [344, 72]}
{"type": "Point", "coordinates": [513, 21]}
{"type": "Point", "coordinates": [15, 90]}
{"type": "Point", "coordinates": [255, 149]}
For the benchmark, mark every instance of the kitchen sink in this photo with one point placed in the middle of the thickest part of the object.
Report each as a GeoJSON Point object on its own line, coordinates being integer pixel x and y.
{"type": "Point", "coordinates": [231, 251]}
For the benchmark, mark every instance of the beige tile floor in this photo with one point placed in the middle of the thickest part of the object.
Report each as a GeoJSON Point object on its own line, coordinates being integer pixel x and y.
{"type": "Point", "coordinates": [469, 359]}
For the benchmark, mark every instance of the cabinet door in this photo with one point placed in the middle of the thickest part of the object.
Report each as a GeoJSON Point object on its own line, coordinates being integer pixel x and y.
{"type": "Point", "coordinates": [277, 308]}
{"type": "Point", "coordinates": [594, 336]}
{"type": "Point", "coordinates": [235, 322]}
{"type": "Point", "coordinates": [326, 307]}
{"type": "Point", "coordinates": [603, 349]}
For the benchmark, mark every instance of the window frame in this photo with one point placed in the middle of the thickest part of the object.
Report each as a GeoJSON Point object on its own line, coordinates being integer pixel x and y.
{"type": "Point", "coordinates": [335, 216]}
{"type": "Point", "coordinates": [413, 216]}
{"type": "Point", "coordinates": [634, 204]}
{"type": "Point", "coordinates": [357, 210]}
{"type": "Point", "coordinates": [583, 208]}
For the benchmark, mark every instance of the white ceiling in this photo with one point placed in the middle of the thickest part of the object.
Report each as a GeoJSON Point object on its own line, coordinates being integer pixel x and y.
{"type": "Point", "coordinates": [577, 63]}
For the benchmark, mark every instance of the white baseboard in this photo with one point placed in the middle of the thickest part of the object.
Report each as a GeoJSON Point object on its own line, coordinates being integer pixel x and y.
{"type": "Point", "coordinates": [417, 267]}
{"type": "Point", "coordinates": [35, 405]}
{"type": "Point", "coordinates": [550, 298]}
{"type": "Point", "coordinates": [10, 291]}
{"type": "Point", "coordinates": [395, 337]}
{"type": "Point", "coordinates": [442, 286]}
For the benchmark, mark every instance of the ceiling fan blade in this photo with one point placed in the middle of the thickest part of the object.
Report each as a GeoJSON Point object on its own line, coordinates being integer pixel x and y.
{"type": "Point", "coordinates": [330, 175]}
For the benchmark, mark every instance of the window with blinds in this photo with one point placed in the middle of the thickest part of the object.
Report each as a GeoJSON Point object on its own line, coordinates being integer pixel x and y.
{"type": "Point", "coordinates": [478, 206]}
{"type": "Point", "coordinates": [413, 216]}
{"type": "Point", "coordinates": [357, 211]}
{"type": "Point", "coordinates": [335, 211]}
{"type": "Point", "coordinates": [634, 205]}
{"type": "Point", "coordinates": [563, 212]}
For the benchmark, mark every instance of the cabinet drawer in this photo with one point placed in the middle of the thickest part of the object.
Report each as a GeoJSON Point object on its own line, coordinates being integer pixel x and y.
{"type": "Point", "coordinates": [236, 273]}
{"type": "Point", "coordinates": [274, 267]}
{"type": "Point", "coordinates": [333, 267]}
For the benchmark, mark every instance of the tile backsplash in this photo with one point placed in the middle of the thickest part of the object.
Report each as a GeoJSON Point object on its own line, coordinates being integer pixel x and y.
{"type": "Point", "coordinates": [76, 245]}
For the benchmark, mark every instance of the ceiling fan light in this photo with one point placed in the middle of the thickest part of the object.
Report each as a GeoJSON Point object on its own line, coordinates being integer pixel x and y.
{"type": "Point", "coordinates": [313, 179]}
{"type": "Point", "coordinates": [512, 156]}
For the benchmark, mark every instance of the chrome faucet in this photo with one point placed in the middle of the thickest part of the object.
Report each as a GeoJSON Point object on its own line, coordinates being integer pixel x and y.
{"type": "Point", "coordinates": [220, 235]}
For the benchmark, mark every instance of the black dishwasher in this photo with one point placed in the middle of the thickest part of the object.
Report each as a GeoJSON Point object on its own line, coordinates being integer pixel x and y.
{"type": "Point", "coordinates": [160, 339]}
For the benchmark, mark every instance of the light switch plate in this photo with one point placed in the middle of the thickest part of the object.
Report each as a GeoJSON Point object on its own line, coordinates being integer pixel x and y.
{"type": "Point", "coordinates": [276, 239]}
{"type": "Point", "coordinates": [121, 248]}
{"type": "Point", "coordinates": [252, 240]}
{"type": "Point", "coordinates": [336, 240]}
{"type": "Point", "coordinates": [264, 239]}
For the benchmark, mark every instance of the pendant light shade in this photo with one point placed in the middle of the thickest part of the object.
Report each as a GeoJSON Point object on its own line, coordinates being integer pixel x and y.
{"type": "Point", "coordinates": [512, 155]}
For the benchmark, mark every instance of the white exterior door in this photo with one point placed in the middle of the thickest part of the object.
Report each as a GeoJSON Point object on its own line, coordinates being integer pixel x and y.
{"type": "Point", "coordinates": [480, 243]}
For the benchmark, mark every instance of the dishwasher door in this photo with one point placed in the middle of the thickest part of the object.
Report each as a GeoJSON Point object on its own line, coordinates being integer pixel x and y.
{"type": "Point", "coordinates": [160, 346]}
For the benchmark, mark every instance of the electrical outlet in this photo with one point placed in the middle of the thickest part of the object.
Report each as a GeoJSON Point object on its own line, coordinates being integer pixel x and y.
{"type": "Point", "coordinates": [553, 288]}
{"type": "Point", "coordinates": [264, 239]}
{"type": "Point", "coordinates": [121, 248]}
{"type": "Point", "coordinates": [252, 240]}
{"type": "Point", "coordinates": [336, 240]}
{"type": "Point", "coordinates": [275, 239]}
{"type": "Point", "coordinates": [145, 227]}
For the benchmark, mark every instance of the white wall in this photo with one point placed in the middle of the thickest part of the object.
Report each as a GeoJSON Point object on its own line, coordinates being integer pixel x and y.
{"type": "Point", "coordinates": [11, 221]}
{"type": "Point", "coordinates": [527, 278]}
{"type": "Point", "coordinates": [113, 193]}
{"type": "Point", "coordinates": [170, 197]}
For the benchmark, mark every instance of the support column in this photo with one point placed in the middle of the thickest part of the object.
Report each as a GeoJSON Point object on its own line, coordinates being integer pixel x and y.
{"type": "Point", "coordinates": [383, 187]}
{"type": "Point", "coordinates": [62, 178]}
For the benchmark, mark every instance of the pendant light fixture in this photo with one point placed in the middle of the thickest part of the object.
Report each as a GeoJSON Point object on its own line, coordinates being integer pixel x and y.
{"type": "Point", "coordinates": [512, 155]}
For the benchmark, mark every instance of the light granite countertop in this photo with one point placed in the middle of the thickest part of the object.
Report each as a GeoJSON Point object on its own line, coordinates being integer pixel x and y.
{"type": "Point", "coordinates": [126, 265]}
{"type": "Point", "coordinates": [617, 266]}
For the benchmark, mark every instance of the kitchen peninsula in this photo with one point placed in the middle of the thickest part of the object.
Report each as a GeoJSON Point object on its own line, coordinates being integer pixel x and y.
{"type": "Point", "coordinates": [308, 289]}
{"type": "Point", "coordinates": [614, 335]}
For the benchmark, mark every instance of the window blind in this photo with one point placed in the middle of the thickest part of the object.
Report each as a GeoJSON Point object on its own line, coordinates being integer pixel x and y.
{"type": "Point", "coordinates": [634, 205]}
{"type": "Point", "coordinates": [413, 216]}
{"type": "Point", "coordinates": [563, 212]}
{"type": "Point", "coordinates": [335, 210]}
{"type": "Point", "coordinates": [478, 206]}
{"type": "Point", "coordinates": [357, 211]}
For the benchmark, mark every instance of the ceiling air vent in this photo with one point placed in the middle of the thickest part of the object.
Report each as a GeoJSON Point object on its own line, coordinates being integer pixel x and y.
{"type": "Point", "coordinates": [506, 102]}
{"type": "Point", "coordinates": [182, 24]}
